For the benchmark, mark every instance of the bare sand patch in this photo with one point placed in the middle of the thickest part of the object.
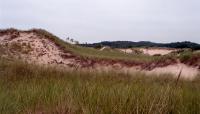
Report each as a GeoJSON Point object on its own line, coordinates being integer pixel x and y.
{"type": "Point", "coordinates": [126, 50]}
{"type": "Point", "coordinates": [187, 71]}
{"type": "Point", "coordinates": [149, 51]}
{"type": "Point", "coordinates": [155, 51]}
{"type": "Point", "coordinates": [104, 48]}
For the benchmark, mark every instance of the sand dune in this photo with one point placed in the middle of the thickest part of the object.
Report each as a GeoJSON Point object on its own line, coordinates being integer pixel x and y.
{"type": "Point", "coordinates": [30, 47]}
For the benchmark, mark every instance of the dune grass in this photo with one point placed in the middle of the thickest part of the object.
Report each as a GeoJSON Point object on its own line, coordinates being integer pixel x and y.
{"type": "Point", "coordinates": [26, 88]}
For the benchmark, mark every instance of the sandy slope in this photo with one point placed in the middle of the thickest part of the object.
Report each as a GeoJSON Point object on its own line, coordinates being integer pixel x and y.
{"type": "Point", "coordinates": [186, 71]}
{"type": "Point", "coordinates": [42, 51]}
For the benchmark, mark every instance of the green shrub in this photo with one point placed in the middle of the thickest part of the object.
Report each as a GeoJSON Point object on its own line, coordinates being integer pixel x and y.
{"type": "Point", "coordinates": [185, 56]}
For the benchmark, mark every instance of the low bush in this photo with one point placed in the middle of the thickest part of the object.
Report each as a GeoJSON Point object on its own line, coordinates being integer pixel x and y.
{"type": "Point", "coordinates": [186, 55]}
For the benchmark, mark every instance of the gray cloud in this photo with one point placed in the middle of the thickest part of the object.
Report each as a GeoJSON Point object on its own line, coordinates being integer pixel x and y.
{"type": "Point", "coordinates": [99, 20]}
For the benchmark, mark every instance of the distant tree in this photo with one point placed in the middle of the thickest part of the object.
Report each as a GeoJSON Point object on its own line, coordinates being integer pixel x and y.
{"type": "Point", "coordinates": [72, 40]}
{"type": "Point", "coordinates": [146, 44]}
{"type": "Point", "coordinates": [76, 42]}
{"type": "Point", "coordinates": [130, 46]}
{"type": "Point", "coordinates": [67, 39]}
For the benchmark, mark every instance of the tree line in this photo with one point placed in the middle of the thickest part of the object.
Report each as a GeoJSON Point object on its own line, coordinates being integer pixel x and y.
{"type": "Point", "coordinates": [130, 44]}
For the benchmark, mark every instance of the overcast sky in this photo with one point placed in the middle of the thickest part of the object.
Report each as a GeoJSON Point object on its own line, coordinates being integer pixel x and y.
{"type": "Point", "coordinates": [100, 20]}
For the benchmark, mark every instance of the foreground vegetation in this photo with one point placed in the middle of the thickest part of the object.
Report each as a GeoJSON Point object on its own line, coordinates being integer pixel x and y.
{"type": "Point", "coordinates": [35, 89]}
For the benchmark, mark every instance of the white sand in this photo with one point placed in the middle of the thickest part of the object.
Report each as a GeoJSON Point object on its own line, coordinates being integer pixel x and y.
{"type": "Point", "coordinates": [150, 51]}
{"type": "Point", "coordinates": [187, 72]}
{"type": "Point", "coordinates": [126, 50]}
{"type": "Point", "coordinates": [154, 51]}
{"type": "Point", "coordinates": [43, 50]}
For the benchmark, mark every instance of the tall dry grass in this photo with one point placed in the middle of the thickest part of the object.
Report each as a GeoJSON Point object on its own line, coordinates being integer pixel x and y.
{"type": "Point", "coordinates": [26, 88]}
